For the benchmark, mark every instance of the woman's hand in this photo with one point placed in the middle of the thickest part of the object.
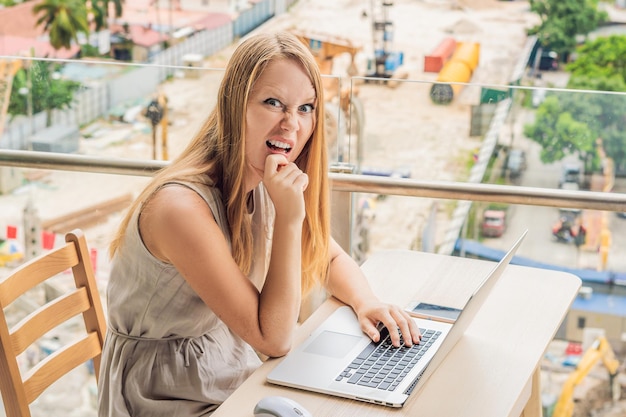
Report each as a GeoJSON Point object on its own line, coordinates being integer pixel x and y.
{"type": "Point", "coordinates": [347, 283]}
{"type": "Point", "coordinates": [398, 321]}
{"type": "Point", "coordinates": [285, 183]}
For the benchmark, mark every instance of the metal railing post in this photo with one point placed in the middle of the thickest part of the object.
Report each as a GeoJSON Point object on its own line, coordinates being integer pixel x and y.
{"type": "Point", "coordinates": [341, 210]}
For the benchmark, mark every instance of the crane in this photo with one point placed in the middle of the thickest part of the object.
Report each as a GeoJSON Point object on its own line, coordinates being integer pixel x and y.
{"type": "Point", "coordinates": [600, 350]}
{"type": "Point", "coordinates": [386, 61]}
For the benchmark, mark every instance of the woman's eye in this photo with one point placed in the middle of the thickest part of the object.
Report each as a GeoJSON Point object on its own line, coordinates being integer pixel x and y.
{"type": "Point", "coordinates": [273, 102]}
{"type": "Point", "coordinates": [306, 108]}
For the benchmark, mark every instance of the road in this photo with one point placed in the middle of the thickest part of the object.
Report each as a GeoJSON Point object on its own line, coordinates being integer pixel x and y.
{"type": "Point", "coordinates": [540, 245]}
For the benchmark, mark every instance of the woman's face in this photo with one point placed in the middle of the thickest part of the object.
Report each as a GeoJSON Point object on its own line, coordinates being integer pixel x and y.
{"type": "Point", "coordinates": [280, 117]}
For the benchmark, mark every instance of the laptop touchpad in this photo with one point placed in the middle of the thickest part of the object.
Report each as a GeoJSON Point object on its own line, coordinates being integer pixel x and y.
{"type": "Point", "coordinates": [333, 344]}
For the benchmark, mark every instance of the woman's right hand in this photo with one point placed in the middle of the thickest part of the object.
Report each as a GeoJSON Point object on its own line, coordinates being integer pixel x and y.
{"type": "Point", "coordinates": [285, 183]}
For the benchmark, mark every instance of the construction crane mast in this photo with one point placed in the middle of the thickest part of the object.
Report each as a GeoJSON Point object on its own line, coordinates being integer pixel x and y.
{"type": "Point", "coordinates": [385, 65]}
{"type": "Point", "coordinates": [385, 61]}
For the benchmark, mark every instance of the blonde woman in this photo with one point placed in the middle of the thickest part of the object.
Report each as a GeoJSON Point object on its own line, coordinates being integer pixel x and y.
{"type": "Point", "coordinates": [213, 258]}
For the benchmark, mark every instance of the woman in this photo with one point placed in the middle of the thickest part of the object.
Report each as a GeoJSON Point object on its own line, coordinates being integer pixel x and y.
{"type": "Point", "coordinates": [212, 260]}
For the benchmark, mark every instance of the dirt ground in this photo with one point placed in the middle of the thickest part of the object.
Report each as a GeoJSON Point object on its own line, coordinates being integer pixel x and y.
{"type": "Point", "coordinates": [404, 130]}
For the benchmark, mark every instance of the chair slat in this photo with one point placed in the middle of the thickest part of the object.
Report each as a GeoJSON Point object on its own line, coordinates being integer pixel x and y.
{"type": "Point", "coordinates": [59, 363]}
{"type": "Point", "coordinates": [47, 317]}
{"type": "Point", "coordinates": [33, 273]}
{"type": "Point", "coordinates": [19, 389]}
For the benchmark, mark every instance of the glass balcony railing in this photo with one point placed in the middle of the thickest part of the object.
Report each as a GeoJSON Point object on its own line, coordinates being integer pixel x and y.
{"type": "Point", "coordinates": [409, 170]}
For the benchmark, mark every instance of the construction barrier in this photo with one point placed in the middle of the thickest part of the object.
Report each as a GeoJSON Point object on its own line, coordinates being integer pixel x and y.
{"type": "Point", "coordinates": [458, 69]}
{"type": "Point", "coordinates": [47, 240]}
{"type": "Point", "coordinates": [442, 53]}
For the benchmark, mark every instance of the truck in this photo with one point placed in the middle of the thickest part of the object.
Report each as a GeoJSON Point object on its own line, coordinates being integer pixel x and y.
{"type": "Point", "coordinates": [493, 223]}
{"type": "Point", "coordinates": [570, 174]}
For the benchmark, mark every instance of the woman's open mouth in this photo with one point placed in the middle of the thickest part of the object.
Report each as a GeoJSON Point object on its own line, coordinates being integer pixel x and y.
{"type": "Point", "coordinates": [278, 146]}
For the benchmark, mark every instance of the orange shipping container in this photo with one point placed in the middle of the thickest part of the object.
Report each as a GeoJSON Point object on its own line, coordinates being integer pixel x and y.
{"type": "Point", "coordinates": [435, 61]}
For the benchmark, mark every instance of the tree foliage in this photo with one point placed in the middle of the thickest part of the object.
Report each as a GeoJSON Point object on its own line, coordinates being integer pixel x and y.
{"type": "Point", "coordinates": [46, 91]}
{"type": "Point", "coordinates": [603, 59]}
{"type": "Point", "coordinates": [63, 20]}
{"type": "Point", "coordinates": [100, 11]}
{"type": "Point", "coordinates": [559, 132]}
{"type": "Point", "coordinates": [599, 70]}
{"type": "Point", "coordinates": [562, 22]}
{"type": "Point", "coordinates": [570, 123]}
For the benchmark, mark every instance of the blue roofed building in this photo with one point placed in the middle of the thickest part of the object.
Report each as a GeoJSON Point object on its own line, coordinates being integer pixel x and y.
{"type": "Point", "coordinates": [598, 310]}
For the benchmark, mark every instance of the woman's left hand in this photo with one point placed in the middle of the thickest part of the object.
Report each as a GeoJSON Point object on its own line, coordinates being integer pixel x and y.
{"type": "Point", "coordinates": [398, 321]}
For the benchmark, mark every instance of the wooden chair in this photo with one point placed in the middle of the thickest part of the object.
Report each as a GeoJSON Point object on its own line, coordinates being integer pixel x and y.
{"type": "Point", "coordinates": [20, 390]}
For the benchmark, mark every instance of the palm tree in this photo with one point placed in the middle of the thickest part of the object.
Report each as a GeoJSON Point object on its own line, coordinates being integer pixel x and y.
{"type": "Point", "coordinates": [62, 19]}
{"type": "Point", "coordinates": [100, 9]}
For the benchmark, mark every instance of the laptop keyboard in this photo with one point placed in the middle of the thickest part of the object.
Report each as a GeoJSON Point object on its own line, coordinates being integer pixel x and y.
{"type": "Point", "coordinates": [383, 366]}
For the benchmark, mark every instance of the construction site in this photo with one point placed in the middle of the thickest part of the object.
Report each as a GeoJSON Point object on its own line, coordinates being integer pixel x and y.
{"type": "Point", "coordinates": [384, 59]}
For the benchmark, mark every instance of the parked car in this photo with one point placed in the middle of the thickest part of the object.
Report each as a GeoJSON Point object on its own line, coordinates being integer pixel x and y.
{"type": "Point", "coordinates": [494, 223]}
{"type": "Point", "coordinates": [570, 173]}
{"type": "Point", "coordinates": [549, 60]}
{"type": "Point", "coordinates": [516, 163]}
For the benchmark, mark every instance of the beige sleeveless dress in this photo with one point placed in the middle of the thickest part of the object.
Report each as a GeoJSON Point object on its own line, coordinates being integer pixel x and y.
{"type": "Point", "coordinates": [166, 353]}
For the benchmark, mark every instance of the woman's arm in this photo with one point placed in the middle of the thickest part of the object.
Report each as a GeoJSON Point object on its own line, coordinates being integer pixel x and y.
{"type": "Point", "coordinates": [178, 227]}
{"type": "Point", "coordinates": [347, 283]}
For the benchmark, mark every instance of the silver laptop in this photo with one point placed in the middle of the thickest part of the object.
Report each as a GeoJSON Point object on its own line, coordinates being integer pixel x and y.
{"type": "Point", "coordinates": [339, 359]}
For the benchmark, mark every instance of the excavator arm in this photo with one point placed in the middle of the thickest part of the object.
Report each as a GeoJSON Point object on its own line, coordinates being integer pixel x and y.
{"type": "Point", "coordinates": [8, 68]}
{"type": "Point", "coordinates": [600, 350]}
{"type": "Point", "coordinates": [325, 48]}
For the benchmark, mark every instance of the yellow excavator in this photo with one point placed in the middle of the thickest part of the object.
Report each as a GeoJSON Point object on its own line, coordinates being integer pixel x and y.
{"type": "Point", "coordinates": [8, 69]}
{"type": "Point", "coordinates": [325, 49]}
{"type": "Point", "coordinates": [10, 251]}
{"type": "Point", "coordinates": [600, 350]}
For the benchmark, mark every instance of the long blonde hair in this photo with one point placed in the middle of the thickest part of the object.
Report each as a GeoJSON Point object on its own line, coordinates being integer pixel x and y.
{"type": "Point", "coordinates": [216, 155]}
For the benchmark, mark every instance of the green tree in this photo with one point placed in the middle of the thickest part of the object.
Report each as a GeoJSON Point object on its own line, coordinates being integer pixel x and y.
{"type": "Point", "coordinates": [570, 123]}
{"type": "Point", "coordinates": [603, 60]}
{"type": "Point", "coordinates": [100, 10]}
{"type": "Point", "coordinates": [559, 132]}
{"type": "Point", "coordinates": [562, 22]}
{"type": "Point", "coordinates": [46, 91]}
{"type": "Point", "coordinates": [601, 66]}
{"type": "Point", "coordinates": [600, 73]}
{"type": "Point", "coordinates": [63, 20]}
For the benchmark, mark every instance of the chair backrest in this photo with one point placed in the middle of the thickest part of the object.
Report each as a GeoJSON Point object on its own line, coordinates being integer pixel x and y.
{"type": "Point", "coordinates": [20, 388]}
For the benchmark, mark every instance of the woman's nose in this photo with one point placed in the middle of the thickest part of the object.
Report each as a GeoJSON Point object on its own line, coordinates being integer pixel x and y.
{"type": "Point", "coordinates": [289, 121]}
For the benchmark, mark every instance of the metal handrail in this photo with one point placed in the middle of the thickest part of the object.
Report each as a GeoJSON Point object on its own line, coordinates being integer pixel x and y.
{"type": "Point", "coordinates": [345, 182]}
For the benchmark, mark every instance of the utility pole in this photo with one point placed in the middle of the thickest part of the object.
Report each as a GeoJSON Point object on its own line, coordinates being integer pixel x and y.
{"type": "Point", "coordinates": [164, 122]}
{"type": "Point", "coordinates": [154, 112]}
